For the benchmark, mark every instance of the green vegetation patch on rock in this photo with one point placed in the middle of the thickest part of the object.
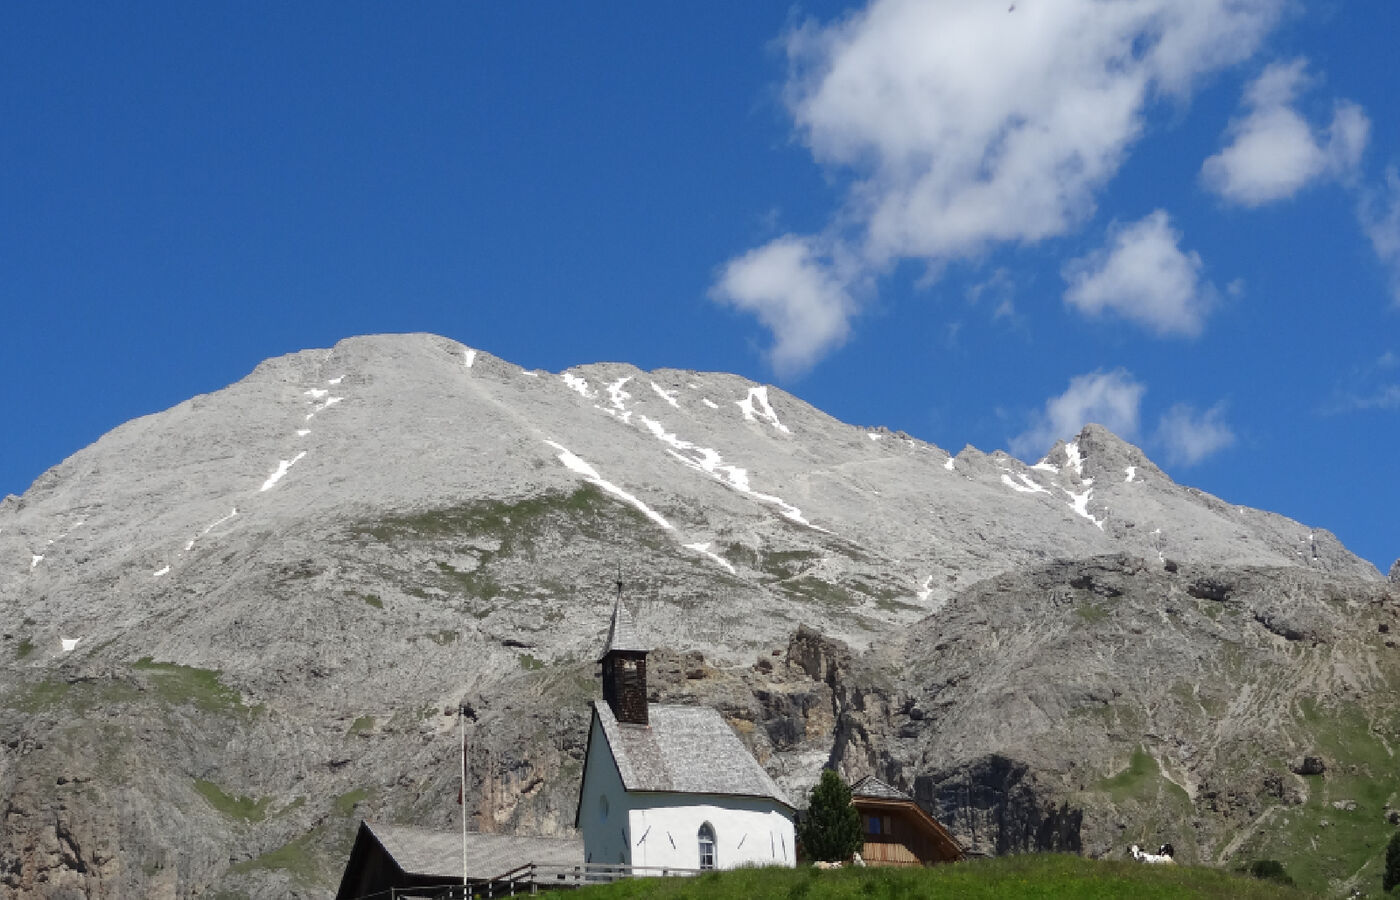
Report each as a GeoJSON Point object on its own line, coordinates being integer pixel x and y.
{"type": "Point", "coordinates": [80, 696]}
{"type": "Point", "coordinates": [1142, 781]}
{"type": "Point", "coordinates": [297, 857]}
{"type": "Point", "coordinates": [179, 685]}
{"type": "Point", "coordinates": [345, 804]}
{"type": "Point", "coordinates": [510, 522]}
{"type": "Point", "coordinates": [1338, 835]}
{"type": "Point", "coordinates": [247, 809]}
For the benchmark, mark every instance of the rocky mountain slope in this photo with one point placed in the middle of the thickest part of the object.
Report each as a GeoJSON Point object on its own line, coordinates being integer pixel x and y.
{"type": "Point", "coordinates": [232, 628]}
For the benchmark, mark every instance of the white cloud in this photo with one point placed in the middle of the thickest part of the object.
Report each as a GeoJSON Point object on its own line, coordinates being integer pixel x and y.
{"type": "Point", "coordinates": [1275, 152]}
{"type": "Point", "coordinates": [965, 124]}
{"type": "Point", "coordinates": [1189, 438]}
{"type": "Point", "coordinates": [794, 292]}
{"type": "Point", "coordinates": [1111, 399]}
{"type": "Point", "coordinates": [1370, 386]}
{"type": "Point", "coordinates": [1380, 216]}
{"type": "Point", "coordinates": [1142, 275]}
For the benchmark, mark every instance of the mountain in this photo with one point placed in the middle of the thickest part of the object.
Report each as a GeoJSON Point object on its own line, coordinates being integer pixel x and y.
{"type": "Point", "coordinates": [235, 627]}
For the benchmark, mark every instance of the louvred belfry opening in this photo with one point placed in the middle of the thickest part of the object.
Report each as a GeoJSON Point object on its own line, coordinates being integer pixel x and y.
{"type": "Point", "coordinates": [625, 670]}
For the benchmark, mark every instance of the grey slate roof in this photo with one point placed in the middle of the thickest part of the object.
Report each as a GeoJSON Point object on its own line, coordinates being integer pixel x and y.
{"type": "Point", "coordinates": [622, 635]}
{"type": "Point", "coordinates": [422, 851]}
{"type": "Point", "coordinates": [686, 749]}
{"type": "Point", "coordinates": [870, 786]}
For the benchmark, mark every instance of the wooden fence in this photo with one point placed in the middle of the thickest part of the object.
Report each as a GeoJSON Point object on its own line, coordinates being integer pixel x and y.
{"type": "Point", "coordinates": [530, 879]}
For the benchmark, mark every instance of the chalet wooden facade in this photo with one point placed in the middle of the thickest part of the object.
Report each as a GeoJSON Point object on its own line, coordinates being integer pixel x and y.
{"type": "Point", "coordinates": [898, 832]}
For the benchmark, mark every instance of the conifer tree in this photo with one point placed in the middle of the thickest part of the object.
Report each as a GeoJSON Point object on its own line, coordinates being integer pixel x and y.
{"type": "Point", "coordinates": [831, 827]}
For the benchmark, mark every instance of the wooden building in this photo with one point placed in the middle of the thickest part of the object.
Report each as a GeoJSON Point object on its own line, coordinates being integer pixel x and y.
{"type": "Point", "coordinates": [418, 862]}
{"type": "Point", "coordinates": [898, 832]}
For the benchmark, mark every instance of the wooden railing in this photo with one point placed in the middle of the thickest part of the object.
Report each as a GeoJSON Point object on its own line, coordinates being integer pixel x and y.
{"type": "Point", "coordinates": [531, 878]}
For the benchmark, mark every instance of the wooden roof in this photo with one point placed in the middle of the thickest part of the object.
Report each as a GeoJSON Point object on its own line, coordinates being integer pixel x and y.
{"type": "Point", "coordinates": [685, 749]}
{"type": "Point", "coordinates": [622, 634]}
{"type": "Point", "coordinates": [426, 856]}
{"type": "Point", "coordinates": [870, 794]}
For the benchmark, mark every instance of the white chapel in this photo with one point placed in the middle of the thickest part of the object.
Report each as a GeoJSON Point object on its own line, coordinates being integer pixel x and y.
{"type": "Point", "coordinates": [672, 787]}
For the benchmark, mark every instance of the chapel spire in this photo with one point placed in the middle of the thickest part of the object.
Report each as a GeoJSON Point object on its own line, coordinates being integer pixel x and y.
{"type": "Point", "coordinates": [624, 662]}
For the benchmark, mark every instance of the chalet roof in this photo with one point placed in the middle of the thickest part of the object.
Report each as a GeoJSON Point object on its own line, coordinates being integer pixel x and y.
{"type": "Point", "coordinates": [422, 851]}
{"type": "Point", "coordinates": [877, 794]}
{"type": "Point", "coordinates": [870, 786]}
{"type": "Point", "coordinates": [685, 749]}
{"type": "Point", "coordinates": [622, 634]}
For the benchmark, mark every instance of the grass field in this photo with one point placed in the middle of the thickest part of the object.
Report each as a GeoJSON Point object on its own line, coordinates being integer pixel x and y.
{"type": "Point", "coordinates": [1040, 876]}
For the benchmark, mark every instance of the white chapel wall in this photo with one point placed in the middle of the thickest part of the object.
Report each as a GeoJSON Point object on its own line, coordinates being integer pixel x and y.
{"type": "Point", "coordinates": [665, 830]}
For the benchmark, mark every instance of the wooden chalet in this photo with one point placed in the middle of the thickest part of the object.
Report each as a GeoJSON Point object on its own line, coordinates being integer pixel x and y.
{"type": "Point", "coordinates": [402, 861]}
{"type": "Point", "coordinates": [898, 831]}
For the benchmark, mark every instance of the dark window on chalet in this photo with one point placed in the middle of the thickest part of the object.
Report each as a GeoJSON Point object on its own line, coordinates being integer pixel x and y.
{"type": "Point", "coordinates": [707, 846]}
{"type": "Point", "coordinates": [878, 825]}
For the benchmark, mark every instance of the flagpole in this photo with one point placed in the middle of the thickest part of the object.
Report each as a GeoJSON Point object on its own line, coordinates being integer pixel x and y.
{"type": "Point", "coordinates": [462, 717]}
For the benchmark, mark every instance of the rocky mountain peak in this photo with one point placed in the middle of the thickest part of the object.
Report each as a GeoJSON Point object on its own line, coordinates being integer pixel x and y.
{"type": "Point", "coordinates": [249, 612]}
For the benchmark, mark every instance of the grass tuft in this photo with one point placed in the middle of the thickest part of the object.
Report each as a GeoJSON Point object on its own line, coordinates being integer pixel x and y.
{"type": "Point", "coordinates": [1034, 875]}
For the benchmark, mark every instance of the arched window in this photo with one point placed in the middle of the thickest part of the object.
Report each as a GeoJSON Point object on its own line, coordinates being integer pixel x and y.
{"type": "Point", "coordinates": [707, 846]}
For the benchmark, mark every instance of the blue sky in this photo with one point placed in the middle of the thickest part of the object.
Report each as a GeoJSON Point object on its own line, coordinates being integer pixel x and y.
{"type": "Point", "coordinates": [973, 221]}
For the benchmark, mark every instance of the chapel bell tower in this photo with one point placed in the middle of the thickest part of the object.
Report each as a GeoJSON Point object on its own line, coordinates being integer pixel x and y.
{"type": "Point", "coordinates": [625, 669]}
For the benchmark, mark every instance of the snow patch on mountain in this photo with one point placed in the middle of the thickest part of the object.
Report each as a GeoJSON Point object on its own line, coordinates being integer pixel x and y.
{"type": "Point", "coordinates": [1073, 458]}
{"type": "Point", "coordinates": [1027, 486]}
{"type": "Point", "coordinates": [617, 400]}
{"type": "Point", "coordinates": [1080, 504]}
{"type": "Point", "coordinates": [757, 408]}
{"type": "Point", "coordinates": [668, 396]}
{"type": "Point", "coordinates": [704, 548]}
{"type": "Point", "coordinates": [468, 357]}
{"type": "Point", "coordinates": [283, 467]}
{"type": "Point", "coordinates": [709, 461]}
{"type": "Point", "coordinates": [69, 644]}
{"type": "Point", "coordinates": [217, 522]}
{"type": "Point", "coordinates": [590, 474]}
{"type": "Point", "coordinates": [164, 570]}
{"type": "Point", "coordinates": [1131, 473]}
{"type": "Point", "coordinates": [579, 384]}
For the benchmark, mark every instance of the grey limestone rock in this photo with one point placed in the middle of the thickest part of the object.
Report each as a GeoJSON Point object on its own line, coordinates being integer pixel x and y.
{"type": "Point", "coordinates": [233, 627]}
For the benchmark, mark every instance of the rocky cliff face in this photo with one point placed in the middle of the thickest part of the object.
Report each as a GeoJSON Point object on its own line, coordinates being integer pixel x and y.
{"type": "Point", "coordinates": [235, 627]}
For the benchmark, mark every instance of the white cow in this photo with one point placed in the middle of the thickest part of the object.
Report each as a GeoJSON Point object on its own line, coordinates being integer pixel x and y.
{"type": "Point", "coordinates": [1163, 857]}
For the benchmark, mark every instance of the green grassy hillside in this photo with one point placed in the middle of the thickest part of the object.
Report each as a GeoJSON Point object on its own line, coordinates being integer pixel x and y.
{"type": "Point", "coordinates": [1041, 876]}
